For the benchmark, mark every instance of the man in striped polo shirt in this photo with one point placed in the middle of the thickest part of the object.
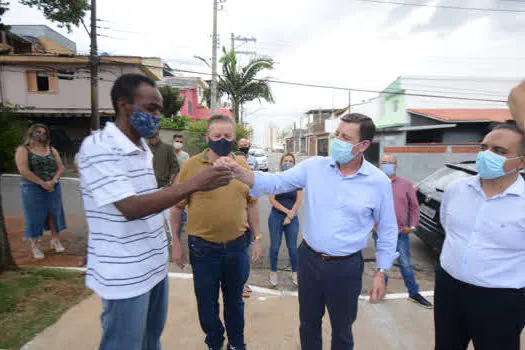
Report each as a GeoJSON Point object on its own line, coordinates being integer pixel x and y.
{"type": "Point", "coordinates": [127, 248]}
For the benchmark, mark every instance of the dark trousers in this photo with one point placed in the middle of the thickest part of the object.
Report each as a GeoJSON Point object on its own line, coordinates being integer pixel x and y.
{"type": "Point", "coordinates": [492, 318]}
{"type": "Point", "coordinates": [334, 285]}
{"type": "Point", "coordinates": [226, 267]}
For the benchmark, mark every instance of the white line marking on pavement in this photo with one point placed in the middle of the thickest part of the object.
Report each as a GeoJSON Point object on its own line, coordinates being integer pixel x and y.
{"type": "Point", "coordinates": [262, 290]}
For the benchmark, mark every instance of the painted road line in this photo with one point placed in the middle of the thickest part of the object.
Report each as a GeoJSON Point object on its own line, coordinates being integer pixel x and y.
{"type": "Point", "coordinates": [262, 290]}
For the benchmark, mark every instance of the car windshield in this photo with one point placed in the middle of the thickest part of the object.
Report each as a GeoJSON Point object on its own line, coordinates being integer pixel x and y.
{"type": "Point", "coordinates": [258, 153]}
{"type": "Point", "coordinates": [441, 179]}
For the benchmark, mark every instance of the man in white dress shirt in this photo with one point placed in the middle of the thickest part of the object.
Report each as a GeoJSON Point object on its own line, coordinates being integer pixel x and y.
{"type": "Point", "coordinates": [480, 285]}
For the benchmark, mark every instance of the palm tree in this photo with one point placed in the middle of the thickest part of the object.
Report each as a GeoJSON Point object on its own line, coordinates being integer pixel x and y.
{"type": "Point", "coordinates": [241, 84]}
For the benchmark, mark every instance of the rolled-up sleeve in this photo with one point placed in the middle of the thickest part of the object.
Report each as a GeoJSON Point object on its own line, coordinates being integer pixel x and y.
{"type": "Point", "coordinates": [387, 229]}
{"type": "Point", "coordinates": [282, 182]}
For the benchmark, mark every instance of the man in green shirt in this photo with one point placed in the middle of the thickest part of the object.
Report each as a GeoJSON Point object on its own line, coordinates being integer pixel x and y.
{"type": "Point", "coordinates": [165, 164]}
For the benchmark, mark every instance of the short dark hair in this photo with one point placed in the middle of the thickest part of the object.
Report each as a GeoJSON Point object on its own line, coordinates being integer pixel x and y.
{"type": "Point", "coordinates": [125, 87]}
{"type": "Point", "coordinates": [367, 128]}
{"type": "Point", "coordinates": [239, 153]}
{"type": "Point", "coordinates": [512, 126]}
{"type": "Point", "coordinates": [219, 118]}
{"type": "Point", "coordinates": [178, 136]}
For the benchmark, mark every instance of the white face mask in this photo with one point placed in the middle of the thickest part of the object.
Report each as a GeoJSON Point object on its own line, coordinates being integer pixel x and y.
{"type": "Point", "coordinates": [177, 145]}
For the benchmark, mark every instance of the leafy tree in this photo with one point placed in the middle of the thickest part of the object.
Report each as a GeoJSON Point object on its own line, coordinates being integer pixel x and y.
{"type": "Point", "coordinates": [65, 13]}
{"type": "Point", "coordinates": [10, 138]}
{"type": "Point", "coordinates": [172, 100]}
{"type": "Point", "coordinates": [241, 84]}
{"type": "Point", "coordinates": [179, 122]}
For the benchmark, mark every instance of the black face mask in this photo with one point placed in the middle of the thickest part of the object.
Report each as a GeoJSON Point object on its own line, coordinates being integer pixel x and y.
{"type": "Point", "coordinates": [244, 150]}
{"type": "Point", "coordinates": [222, 147]}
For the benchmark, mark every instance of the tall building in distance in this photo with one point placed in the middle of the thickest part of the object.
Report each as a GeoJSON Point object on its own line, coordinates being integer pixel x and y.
{"type": "Point", "coordinates": [272, 138]}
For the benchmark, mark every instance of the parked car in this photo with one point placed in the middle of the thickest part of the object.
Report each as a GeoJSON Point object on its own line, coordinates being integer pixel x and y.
{"type": "Point", "coordinates": [260, 156]}
{"type": "Point", "coordinates": [430, 193]}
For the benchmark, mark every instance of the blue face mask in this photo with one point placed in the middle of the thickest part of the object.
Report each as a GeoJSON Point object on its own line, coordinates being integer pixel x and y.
{"type": "Point", "coordinates": [145, 123]}
{"type": "Point", "coordinates": [490, 165]}
{"type": "Point", "coordinates": [221, 147]}
{"type": "Point", "coordinates": [287, 166]}
{"type": "Point", "coordinates": [388, 169]}
{"type": "Point", "coordinates": [342, 151]}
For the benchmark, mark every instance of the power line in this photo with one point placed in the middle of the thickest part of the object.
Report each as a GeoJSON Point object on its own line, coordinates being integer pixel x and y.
{"type": "Point", "coordinates": [320, 86]}
{"type": "Point", "coordinates": [443, 6]}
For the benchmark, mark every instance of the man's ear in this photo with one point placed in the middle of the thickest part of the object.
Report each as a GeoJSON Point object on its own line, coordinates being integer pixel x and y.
{"type": "Point", "coordinates": [365, 145]}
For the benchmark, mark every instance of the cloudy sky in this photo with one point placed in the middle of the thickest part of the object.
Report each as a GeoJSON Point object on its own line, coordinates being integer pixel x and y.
{"type": "Point", "coordinates": [361, 44]}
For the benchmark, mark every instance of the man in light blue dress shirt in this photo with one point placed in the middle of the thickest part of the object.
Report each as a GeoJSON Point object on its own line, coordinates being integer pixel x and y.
{"type": "Point", "coordinates": [344, 195]}
{"type": "Point", "coordinates": [480, 285]}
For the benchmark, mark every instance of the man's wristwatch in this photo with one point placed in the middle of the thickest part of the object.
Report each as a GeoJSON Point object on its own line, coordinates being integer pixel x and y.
{"type": "Point", "coordinates": [413, 228]}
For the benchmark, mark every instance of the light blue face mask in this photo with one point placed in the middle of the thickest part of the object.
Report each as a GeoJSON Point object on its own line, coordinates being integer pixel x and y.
{"type": "Point", "coordinates": [388, 169]}
{"type": "Point", "coordinates": [490, 165]}
{"type": "Point", "coordinates": [287, 166]}
{"type": "Point", "coordinates": [342, 151]}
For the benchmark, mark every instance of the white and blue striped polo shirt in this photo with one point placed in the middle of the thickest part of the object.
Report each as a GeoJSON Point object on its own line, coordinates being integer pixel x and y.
{"type": "Point", "coordinates": [125, 258]}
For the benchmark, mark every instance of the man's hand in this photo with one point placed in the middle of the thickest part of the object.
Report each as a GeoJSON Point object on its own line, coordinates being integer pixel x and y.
{"type": "Point", "coordinates": [516, 103]}
{"type": "Point", "coordinates": [230, 163]}
{"type": "Point", "coordinates": [257, 251]}
{"type": "Point", "coordinates": [287, 221]}
{"type": "Point", "coordinates": [408, 230]}
{"type": "Point", "coordinates": [178, 254]}
{"type": "Point", "coordinates": [379, 289]}
{"type": "Point", "coordinates": [212, 178]}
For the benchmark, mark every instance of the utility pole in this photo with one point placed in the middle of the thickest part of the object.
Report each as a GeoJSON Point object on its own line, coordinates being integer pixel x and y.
{"type": "Point", "coordinates": [349, 101]}
{"type": "Point", "coordinates": [93, 63]}
{"type": "Point", "coordinates": [232, 42]}
{"type": "Point", "coordinates": [214, 61]}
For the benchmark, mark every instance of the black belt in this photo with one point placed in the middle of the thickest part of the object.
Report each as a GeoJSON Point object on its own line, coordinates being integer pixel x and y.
{"type": "Point", "coordinates": [330, 257]}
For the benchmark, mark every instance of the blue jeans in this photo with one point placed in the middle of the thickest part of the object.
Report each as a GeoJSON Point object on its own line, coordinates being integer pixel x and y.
{"type": "Point", "coordinates": [405, 263]}
{"type": "Point", "coordinates": [276, 227]}
{"type": "Point", "coordinates": [136, 323]}
{"type": "Point", "coordinates": [332, 285]}
{"type": "Point", "coordinates": [226, 267]}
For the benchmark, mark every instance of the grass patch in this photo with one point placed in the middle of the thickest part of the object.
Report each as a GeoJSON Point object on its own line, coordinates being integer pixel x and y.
{"type": "Point", "coordinates": [33, 299]}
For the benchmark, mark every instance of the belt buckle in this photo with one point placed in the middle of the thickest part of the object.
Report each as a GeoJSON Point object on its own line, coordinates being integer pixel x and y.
{"type": "Point", "coordinates": [324, 256]}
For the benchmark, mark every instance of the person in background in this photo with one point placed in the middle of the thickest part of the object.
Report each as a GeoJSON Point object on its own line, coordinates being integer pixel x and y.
{"type": "Point", "coordinates": [244, 147]}
{"type": "Point", "coordinates": [344, 196]}
{"type": "Point", "coordinates": [218, 245]}
{"type": "Point", "coordinates": [480, 282]}
{"type": "Point", "coordinates": [178, 144]}
{"type": "Point", "coordinates": [40, 166]}
{"type": "Point", "coordinates": [407, 215]}
{"type": "Point", "coordinates": [249, 234]}
{"type": "Point", "coordinates": [165, 163]}
{"type": "Point", "coordinates": [283, 218]}
{"type": "Point", "coordinates": [127, 253]}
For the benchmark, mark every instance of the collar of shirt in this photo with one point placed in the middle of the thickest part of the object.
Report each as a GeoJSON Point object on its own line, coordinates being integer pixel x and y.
{"type": "Point", "coordinates": [123, 141]}
{"type": "Point", "coordinates": [516, 189]}
{"type": "Point", "coordinates": [203, 157]}
{"type": "Point", "coordinates": [363, 170]}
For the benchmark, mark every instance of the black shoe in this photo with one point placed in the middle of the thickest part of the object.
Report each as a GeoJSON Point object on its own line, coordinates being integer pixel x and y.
{"type": "Point", "coordinates": [419, 299]}
{"type": "Point", "coordinates": [231, 347]}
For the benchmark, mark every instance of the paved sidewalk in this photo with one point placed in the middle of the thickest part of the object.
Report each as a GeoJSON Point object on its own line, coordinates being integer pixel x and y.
{"type": "Point", "coordinates": [271, 323]}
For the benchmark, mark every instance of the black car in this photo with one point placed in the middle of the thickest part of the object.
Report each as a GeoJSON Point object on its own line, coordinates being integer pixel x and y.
{"type": "Point", "coordinates": [430, 193]}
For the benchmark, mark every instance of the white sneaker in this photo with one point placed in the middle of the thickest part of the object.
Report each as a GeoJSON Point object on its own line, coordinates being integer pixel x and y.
{"type": "Point", "coordinates": [37, 253]}
{"type": "Point", "coordinates": [294, 278]}
{"type": "Point", "coordinates": [55, 244]}
{"type": "Point", "coordinates": [273, 279]}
